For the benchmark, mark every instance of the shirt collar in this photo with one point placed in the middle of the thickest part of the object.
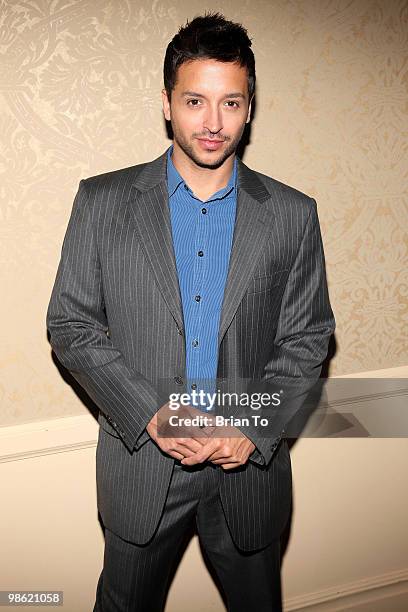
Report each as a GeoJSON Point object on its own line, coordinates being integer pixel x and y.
{"type": "Point", "coordinates": [174, 179]}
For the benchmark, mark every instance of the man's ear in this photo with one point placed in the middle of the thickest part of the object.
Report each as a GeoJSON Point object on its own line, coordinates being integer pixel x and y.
{"type": "Point", "coordinates": [248, 119]}
{"type": "Point", "coordinates": [166, 105]}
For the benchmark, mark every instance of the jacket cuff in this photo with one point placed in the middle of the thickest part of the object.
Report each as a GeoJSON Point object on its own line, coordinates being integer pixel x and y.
{"type": "Point", "coordinates": [144, 437]}
{"type": "Point", "coordinates": [265, 449]}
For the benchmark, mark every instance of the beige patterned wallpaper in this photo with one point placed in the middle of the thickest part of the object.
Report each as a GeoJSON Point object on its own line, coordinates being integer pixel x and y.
{"type": "Point", "coordinates": [80, 88]}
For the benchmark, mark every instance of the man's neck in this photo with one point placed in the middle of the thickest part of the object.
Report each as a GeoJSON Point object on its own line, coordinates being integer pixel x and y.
{"type": "Point", "coordinates": [204, 182]}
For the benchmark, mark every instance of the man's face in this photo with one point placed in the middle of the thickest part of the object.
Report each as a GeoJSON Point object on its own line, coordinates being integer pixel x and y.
{"type": "Point", "coordinates": [208, 111]}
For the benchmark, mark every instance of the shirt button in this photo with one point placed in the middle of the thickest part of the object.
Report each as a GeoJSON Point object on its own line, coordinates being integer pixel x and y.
{"type": "Point", "coordinates": [194, 386]}
{"type": "Point", "coordinates": [195, 343]}
{"type": "Point", "coordinates": [200, 253]}
{"type": "Point", "coordinates": [197, 298]}
{"type": "Point", "coordinates": [204, 210]}
{"type": "Point", "coordinates": [185, 187]}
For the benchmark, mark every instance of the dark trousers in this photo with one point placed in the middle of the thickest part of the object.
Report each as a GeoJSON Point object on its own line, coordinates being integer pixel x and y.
{"type": "Point", "coordinates": [135, 578]}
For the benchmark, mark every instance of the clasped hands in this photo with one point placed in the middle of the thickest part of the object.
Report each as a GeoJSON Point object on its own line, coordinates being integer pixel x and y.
{"type": "Point", "coordinates": [223, 445]}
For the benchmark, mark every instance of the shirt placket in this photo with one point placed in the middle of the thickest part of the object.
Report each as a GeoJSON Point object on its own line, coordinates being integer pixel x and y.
{"type": "Point", "coordinates": [199, 295]}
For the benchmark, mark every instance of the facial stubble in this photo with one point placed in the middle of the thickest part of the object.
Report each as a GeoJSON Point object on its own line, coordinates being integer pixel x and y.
{"type": "Point", "coordinates": [188, 149]}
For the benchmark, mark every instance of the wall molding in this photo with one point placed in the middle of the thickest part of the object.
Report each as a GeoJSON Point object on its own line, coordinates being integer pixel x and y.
{"type": "Point", "coordinates": [352, 594]}
{"type": "Point", "coordinates": [399, 372]}
{"type": "Point", "coordinates": [53, 436]}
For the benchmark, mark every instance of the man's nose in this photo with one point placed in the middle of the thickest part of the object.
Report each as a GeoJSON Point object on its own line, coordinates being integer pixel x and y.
{"type": "Point", "coordinates": [213, 120]}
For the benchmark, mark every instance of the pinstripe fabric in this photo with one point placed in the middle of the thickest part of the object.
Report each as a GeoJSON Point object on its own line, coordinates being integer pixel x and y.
{"type": "Point", "coordinates": [129, 579]}
{"type": "Point", "coordinates": [115, 321]}
{"type": "Point", "coordinates": [135, 577]}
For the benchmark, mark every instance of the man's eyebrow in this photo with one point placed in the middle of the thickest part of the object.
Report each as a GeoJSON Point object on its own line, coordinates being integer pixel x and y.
{"type": "Point", "coordinates": [234, 94]}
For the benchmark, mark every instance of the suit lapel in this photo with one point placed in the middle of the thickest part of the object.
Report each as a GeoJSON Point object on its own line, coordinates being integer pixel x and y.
{"type": "Point", "coordinates": [253, 224]}
{"type": "Point", "coordinates": [153, 224]}
{"type": "Point", "coordinates": [151, 213]}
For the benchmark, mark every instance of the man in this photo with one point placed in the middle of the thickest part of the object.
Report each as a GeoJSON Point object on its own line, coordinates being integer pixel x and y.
{"type": "Point", "coordinates": [192, 272]}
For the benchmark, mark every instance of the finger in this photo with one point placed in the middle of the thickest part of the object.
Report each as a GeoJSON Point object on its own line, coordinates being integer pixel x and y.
{"type": "Point", "coordinates": [199, 434]}
{"type": "Point", "coordinates": [170, 449]}
{"type": "Point", "coordinates": [202, 439]}
{"type": "Point", "coordinates": [176, 455]}
{"type": "Point", "coordinates": [201, 455]}
{"type": "Point", "coordinates": [221, 455]}
{"type": "Point", "coordinates": [181, 451]}
{"type": "Point", "coordinates": [226, 450]}
{"type": "Point", "coordinates": [191, 444]}
{"type": "Point", "coordinates": [230, 466]}
{"type": "Point", "coordinates": [221, 460]}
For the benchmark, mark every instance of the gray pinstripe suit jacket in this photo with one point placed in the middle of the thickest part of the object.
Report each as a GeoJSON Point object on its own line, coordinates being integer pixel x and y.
{"type": "Point", "coordinates": [115, 322]}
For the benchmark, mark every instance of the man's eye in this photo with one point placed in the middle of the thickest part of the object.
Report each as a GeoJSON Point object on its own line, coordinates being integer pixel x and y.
{"type": "Point", "coordinates": [192, 102]}
{"type": "Point", "coordinates": [233, 102]}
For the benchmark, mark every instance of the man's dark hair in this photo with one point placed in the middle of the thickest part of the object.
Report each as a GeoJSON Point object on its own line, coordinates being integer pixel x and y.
{"type": "Point", "coordinates": [209, 37]}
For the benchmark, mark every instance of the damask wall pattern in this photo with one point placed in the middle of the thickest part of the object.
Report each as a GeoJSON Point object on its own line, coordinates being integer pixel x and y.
{"type": "Point", "coordinates": [80, 85]}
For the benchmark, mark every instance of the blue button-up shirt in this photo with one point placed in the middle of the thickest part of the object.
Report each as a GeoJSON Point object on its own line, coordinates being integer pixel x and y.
{"type": "Point", "coordinates": [202, 238]}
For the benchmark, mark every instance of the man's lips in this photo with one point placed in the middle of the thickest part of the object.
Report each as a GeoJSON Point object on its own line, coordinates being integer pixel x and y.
{"type": "Point", "coordinates": [211, 145]}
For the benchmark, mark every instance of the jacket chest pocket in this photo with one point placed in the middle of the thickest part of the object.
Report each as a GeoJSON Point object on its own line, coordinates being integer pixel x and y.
{"type": "Point", "coordinates": [259, 284]}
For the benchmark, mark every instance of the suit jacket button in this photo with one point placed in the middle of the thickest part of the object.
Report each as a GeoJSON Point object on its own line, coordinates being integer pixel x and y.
{"type": "Point", "coordinates": [178, 380]}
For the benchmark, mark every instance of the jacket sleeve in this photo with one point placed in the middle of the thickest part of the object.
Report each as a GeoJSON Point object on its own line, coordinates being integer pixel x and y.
{"type": "Point", "coordinates": [78, 327]}
{"type": "Point", "coordinates": [306, 322]}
